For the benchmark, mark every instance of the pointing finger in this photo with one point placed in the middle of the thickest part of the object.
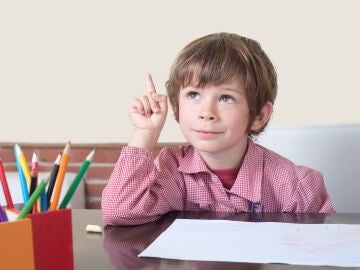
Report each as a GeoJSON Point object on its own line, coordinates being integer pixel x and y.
{"type": "Point", "coordinates": [152, 94]}
{"type": "Point", "coordinates": [150, 84]}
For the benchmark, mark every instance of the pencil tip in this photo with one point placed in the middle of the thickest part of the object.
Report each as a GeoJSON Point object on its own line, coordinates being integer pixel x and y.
{"type": "Point", "coordinates": [91, 154]}
{"type": "Point", "coordinates": [34, 157]}
{"type": "Point", "coordinates": [58, 158]}
{"type": "Point", "coordinates": [67, 148]}
{"type": "Point", "coordinates": [17, 149]}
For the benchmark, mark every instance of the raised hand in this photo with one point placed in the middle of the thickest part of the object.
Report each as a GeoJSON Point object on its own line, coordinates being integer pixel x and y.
{"type": "Point", "coordinates": [148, 115]}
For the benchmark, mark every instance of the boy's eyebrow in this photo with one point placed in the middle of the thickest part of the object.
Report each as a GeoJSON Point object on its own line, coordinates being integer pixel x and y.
{"type": "Point", "coordinates": [224, 86]}
{"type": "Point", "coordinates": [231, 89]}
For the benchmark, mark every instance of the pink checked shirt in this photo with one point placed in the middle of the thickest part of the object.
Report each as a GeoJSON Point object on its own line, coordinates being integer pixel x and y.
{"type": "Point", "coordinates": [142, 188]}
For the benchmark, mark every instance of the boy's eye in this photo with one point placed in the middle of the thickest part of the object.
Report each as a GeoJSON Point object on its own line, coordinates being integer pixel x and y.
{"type": "Point", "coordinates": [227, 99]}
{"type": "Point", "coordinates": [192, 95]}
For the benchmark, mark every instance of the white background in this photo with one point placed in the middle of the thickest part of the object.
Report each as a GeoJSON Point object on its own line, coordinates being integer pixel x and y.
{"type": "Point", "coordinates": [68, 69]}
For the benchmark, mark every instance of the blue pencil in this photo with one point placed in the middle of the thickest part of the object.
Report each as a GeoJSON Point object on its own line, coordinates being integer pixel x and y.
{"type": "Point", "coordinates": [43, 202]}
{"type": "Point", "coordinates": [23, 184]}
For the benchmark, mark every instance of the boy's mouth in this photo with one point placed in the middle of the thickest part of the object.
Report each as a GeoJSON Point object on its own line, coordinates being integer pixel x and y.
{"type": "Point", "coordinates": [207, 133]}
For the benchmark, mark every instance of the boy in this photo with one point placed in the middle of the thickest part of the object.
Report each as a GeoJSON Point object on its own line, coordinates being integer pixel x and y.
{"type": "Point", "coordinates": [221, 89]}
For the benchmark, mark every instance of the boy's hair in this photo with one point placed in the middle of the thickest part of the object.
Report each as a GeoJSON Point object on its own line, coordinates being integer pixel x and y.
{"type": "Point", "coordinates": [218, 58]}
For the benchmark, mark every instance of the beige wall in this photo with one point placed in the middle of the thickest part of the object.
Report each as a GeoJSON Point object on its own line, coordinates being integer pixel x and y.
{"type": "Point", "coordinates": [68, 69]}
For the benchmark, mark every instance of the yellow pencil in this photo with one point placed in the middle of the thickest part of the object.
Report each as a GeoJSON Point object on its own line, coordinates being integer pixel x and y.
{"type": "Point", "coordinates": [60, 177]}
{"type": "Point", "coordinates": [23, 164]}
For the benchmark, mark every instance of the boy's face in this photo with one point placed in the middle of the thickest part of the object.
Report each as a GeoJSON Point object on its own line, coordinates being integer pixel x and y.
{"type": "Point", "coordinates": [214, 119]}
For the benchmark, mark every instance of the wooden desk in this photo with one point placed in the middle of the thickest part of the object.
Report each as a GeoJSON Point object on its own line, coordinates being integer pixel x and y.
{"type": "Point", "coordinates": [118, 247]}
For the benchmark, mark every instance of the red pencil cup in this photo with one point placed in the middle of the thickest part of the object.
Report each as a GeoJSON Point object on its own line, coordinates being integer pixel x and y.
{"type": "Point", "coordinates": [52, 240]}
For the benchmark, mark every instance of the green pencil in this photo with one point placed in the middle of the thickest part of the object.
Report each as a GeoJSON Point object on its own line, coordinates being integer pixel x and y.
{"type": "Point", "coordinates": [77, 179]}
{"type": "Point", "coordinates": [34, 196]}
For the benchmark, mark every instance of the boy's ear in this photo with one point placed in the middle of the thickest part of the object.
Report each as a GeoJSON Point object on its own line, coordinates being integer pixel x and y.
{"type": "Point", "coordinates": [175, 111]}
{"type": "Point", "coordinates": [263, 117]}
{"type": "Point", "coordinates": [174, 108]}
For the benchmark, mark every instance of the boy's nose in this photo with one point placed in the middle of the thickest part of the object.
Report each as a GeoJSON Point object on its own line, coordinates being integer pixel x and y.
{"type": "Point", "coordinates": [206, 115]}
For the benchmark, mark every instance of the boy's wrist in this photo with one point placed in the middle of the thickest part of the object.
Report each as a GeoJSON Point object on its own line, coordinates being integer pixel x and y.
{"type": "Point", "coordinates": [144, 138]}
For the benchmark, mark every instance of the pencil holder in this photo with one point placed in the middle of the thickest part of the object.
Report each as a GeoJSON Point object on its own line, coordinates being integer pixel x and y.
{"type": "Point", "coordinates": [16, 245]}
{"type": "Point", "coordinates": [42, 241]}
{"type": "Point", "coordinates": [52, 239]}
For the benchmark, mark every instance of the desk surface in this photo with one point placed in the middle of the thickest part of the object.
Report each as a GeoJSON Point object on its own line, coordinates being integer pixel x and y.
{"type": "Point", "coordinates": [118, 247]}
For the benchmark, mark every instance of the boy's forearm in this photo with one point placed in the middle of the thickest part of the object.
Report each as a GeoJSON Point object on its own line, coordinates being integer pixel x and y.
{"type": "Point", "coordinates": [144, 138]}
{"type": "Point", "coordinates": [130, 196]}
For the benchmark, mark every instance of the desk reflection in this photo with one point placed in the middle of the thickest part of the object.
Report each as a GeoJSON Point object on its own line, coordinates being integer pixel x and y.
{"type": "Point", "coordinates": [123, 244]}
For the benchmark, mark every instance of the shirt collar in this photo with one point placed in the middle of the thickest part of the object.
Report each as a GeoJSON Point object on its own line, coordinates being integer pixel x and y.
{"type": "Point", "coordinates": [192, 162]}
{"type": "Point", "coordinates": [249, 179]}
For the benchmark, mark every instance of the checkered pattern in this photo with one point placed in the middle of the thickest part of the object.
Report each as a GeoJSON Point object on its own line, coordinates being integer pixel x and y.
{"type": "Point", "coordinates": [142, 188]}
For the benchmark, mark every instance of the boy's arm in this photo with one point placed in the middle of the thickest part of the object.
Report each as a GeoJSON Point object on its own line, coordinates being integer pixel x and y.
{"type": "Point", "coordinates": [310, 195]}
{"type": "Point", "coordinates": [138, 192]}
{"type": "Point", "coordinates": [148, 115]}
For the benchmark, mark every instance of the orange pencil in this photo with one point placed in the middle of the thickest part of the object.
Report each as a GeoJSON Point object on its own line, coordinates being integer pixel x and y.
{"type": "Point", "coordinates": [60, 177]}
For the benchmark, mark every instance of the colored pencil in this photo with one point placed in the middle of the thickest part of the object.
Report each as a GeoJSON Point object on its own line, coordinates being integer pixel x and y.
{"type": "Point", "coordinates": [77, 179]}
{"type": "Point", "coordinates": [43, 203]}
{"type": "Point", "coordinates": [23, 184]}
{"type": "Point", "coordinates": [23, 163]}
{"type": "Point", "coordinates": [60, 177]}
{"type": "Point", "coordinates": [33, 198]}
{"type": "Point", "coordinates": [33, 173]}
{"type": "Point", "coordinates": [3, 216]}
{"type": "Point", "coordinates": [5, 186]}
{"type": "Point", "coordinates": [53, 176]}
{"type": "Point", "coordinates": [34, 178]}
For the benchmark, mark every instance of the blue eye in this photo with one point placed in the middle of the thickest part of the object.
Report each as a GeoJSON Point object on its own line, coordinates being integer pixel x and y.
{"type": "Point", "coordinates": [227, 99]}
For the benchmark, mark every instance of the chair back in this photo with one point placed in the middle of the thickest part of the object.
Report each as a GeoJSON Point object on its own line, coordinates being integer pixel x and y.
{"type": "Point", "coordinates": [333, 150]}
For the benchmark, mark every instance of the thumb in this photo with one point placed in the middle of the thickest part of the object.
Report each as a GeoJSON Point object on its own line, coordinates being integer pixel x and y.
{"type": "Point", "coordinates": [163, 103]}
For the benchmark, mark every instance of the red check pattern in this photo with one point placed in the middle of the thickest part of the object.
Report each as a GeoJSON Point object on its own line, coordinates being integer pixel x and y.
{"type": "Point", "coordinates": [141, 188]}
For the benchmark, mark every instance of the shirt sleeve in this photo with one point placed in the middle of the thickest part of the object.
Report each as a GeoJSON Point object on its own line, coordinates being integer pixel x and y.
{"type": "Point", "coordinates": [139, 188]}
{"type": "Point", "coordinates": [310, 195]}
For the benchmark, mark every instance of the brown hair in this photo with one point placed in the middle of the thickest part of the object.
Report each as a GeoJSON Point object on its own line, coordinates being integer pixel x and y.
{"type": "Point", "coordinates": [218, 58]}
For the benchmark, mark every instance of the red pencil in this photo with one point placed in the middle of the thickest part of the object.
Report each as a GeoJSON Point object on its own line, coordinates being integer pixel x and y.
{"type": "Point", "coordinates": [5, 186]}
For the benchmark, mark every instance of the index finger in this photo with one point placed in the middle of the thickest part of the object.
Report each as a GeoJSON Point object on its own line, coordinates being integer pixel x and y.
{"type": "Point", "coordinates": [150, 84]}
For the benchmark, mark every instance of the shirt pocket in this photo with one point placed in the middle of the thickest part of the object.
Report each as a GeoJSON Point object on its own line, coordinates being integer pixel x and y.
{"type": "Point", "coordinates": [240, 204]}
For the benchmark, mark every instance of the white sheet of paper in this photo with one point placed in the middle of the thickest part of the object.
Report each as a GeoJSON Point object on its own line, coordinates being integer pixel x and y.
{"type": "Point", "coordinates": [259, 242]}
